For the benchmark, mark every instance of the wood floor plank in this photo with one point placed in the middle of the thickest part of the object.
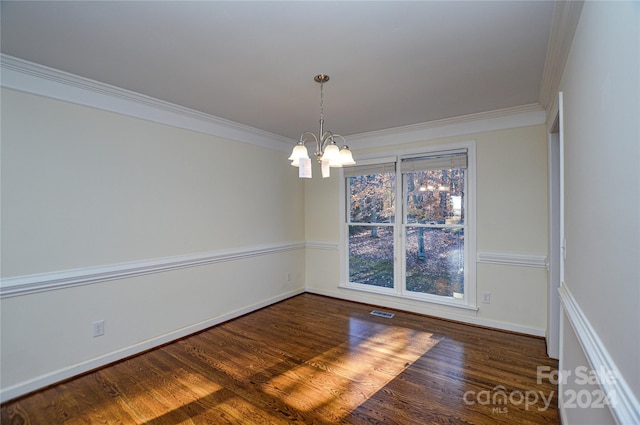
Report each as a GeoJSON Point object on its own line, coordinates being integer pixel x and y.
{"type": "Point", "coordinates": [312, 360]}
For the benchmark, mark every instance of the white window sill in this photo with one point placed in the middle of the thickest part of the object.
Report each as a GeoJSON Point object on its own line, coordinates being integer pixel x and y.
{"type": "Point", "coordinates": [392, 292]}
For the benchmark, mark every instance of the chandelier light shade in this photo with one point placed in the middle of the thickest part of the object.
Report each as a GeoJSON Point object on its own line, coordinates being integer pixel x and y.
{"type": "Point", "coordinates": [328, 154]}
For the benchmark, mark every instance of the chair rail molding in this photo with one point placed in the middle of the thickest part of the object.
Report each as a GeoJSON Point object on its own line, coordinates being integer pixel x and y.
{"type": "Point", "coordinates": [29, 284]}
{"type": "Point", "coordinates": [328, 246]}
{"type": "Point", "coordinates": [512, 259]}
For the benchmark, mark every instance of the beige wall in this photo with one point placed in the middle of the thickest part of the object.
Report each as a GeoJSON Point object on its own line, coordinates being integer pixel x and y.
{"type": "Point", "coordinates": [601, 93]}
{"type": "Point", "coordinates": [511, 218]}
{"type": "Point", "coordinates": [83, 187]}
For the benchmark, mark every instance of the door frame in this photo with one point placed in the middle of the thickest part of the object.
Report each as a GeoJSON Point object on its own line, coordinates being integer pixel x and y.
{"type": "Point", "coordinates": [555, 143]}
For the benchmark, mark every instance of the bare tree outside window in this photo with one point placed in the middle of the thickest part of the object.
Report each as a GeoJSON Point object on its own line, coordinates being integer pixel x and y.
{"type": "Point", "coordinates": [430, 235]}
{"type": "Point", "coordinates": [434, 241]}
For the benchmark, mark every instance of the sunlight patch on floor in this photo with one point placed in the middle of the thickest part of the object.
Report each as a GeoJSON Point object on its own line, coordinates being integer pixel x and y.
{"type": "Point", "coordinates": [337, 381]}
{"type": "Point", "coordinates": [144, 405]}
{"type": "Point", "coordinates": [239, 411]}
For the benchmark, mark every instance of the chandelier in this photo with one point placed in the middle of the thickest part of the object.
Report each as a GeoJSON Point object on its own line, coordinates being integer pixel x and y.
{"type": "Point", "coordinates": [328, 153]}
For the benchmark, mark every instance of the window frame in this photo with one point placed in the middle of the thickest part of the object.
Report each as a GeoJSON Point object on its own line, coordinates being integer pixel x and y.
{"type": "Point", "coordinates": [469, 300]}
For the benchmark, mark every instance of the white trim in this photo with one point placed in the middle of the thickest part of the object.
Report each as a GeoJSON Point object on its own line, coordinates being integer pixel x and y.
{"type": "Point", "coordinates": [392, 292]}
{"type": "Point", "coordinates": [471, 231]}
{"type": "Point", "coordinates": [553, 277]}
{"type": "Point", "coordinates": [447, 312]}
{"type": "Point", "coordinates": [563, 241]}
{"type": "Point", "coordinates": [371, 159]}
{"type": "Point", "coordinates": [520, 116]}
{"type": "Point", "coordinates": [563, 27]}
{"type": "Point", "coordinates": [408, 152]}
{"type": "Point", "coordinates": [18, 74]}
{"type": "Point", "coordinates": [512, 259]}
{"type": "Point", "coordinates": [626, 409]}
{"type": "Point", "coordinates": [29, 284]}
{"type": "Point", "coordinates": [47, 379]}
{"type": "Point", "coordinates": [561, 365]}
{"type": "Point", "coordinates": [328, 246]}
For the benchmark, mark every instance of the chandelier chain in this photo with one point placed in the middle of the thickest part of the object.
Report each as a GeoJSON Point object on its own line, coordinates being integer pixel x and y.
{"type": "Point", "coordinates": [321, 102]}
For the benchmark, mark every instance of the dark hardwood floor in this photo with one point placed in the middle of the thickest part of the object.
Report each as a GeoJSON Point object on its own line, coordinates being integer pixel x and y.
{"type": "Point", "coordinates": [313, 360]}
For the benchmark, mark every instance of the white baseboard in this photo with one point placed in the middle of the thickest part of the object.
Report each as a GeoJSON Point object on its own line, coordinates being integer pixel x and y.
{"type": "Point", "coordinates": [439, 312]}
{"type": "Point", "coordinates": [626, 409]}
{"type": "Point", "coordinates": [45, 380]}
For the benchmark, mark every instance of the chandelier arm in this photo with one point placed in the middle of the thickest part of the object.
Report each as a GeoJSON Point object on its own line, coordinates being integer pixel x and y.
{"type": "Point", "coordinates": [344, 141]}
{"type": "Point", "coordinates": [308, 136]}
{"type": "Point", "coordinates": [327, 136]}
{"type": "Point", "coordinates": [304, 137]}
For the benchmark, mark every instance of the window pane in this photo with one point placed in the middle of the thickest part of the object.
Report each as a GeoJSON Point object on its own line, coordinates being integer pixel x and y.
{"type": "Point", "coordinates": [435, 196]}
{"type": "Point", "coordinates": [435, 260]}
{"type": "Point", "coordinates": [371, 198]}
{"type": "Point", "coordinates": [371, 255]}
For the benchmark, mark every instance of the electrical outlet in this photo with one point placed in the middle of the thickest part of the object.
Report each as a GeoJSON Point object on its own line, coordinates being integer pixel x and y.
{"type": "Point", "coordinates": [486, 297]}
{"type": "Point", "coordinates": [98, 328]}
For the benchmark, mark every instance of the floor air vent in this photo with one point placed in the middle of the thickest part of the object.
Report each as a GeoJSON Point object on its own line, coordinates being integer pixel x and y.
{"type": "Point", "coordinates": [382, 314]}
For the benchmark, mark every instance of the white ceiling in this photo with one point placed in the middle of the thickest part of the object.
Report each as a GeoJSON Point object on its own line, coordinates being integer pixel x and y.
{"type": "Point", "coordinates": [391, 63]}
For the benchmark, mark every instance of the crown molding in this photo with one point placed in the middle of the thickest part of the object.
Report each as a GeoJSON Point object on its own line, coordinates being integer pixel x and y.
{"type": "Point", "coordinates": [499, 119]}
{"type": "Point", "coordinates": [29, 77]}
{"type": "Point", "coordinates": [565, 20]}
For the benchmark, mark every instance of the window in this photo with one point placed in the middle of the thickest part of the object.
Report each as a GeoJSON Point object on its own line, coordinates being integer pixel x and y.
{"type": "Point", "coordinates": [371, 224]}
{"type": "Point", "coordinates": [408, 227]}
{"type": "Point", "coordinates": [433, 194]}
